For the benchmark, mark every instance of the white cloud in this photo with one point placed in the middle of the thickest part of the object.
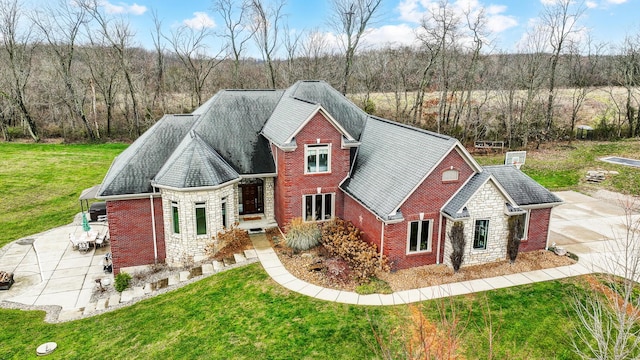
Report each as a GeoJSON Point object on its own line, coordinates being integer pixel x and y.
{"type": "Point", "coordinates": [591, 4]}
{"type": "Point", "coordinates": [414, 11]}
{"type": "Point", "coordinates": [390, 35]}
{"type": "Point", "coordinates": [200, 20]}
{"type": "Point", "coordinates": [123, 8]}
{"type": "Point", "coordinates": [617, 2]}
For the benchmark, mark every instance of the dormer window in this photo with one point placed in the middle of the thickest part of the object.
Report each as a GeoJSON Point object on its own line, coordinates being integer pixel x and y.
{"type": "Point", "coordinates": [317, 159]}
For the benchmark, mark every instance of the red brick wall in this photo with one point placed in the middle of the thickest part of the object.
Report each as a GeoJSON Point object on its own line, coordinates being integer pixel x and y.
{"type": "Point", "coordinates": [428, 198]}
{"type": "Point", "coordinates": [538, 230]}
{"type": "Point", "coordinates": [364, 219]}
{"type": "Point", "coordinates": [131, 232]}
{"type": "Point", "coordinates": [292, 183]}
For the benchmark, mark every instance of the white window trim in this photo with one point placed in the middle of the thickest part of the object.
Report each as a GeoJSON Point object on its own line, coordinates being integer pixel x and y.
{"type": "Point", "coordinates": [175, 205]}
{"type": "Point", "coordinates": [527, 217]}
{"type": "Point", "coordinates": [200, 205]}
{"type": "Point", "coordinates": [473, 235]}
{"type": "Point", "coordinates": [306, 158]}
{"type": "Point", "coordinates": [304, 206]}
{"type": "Point", "coordinates": [429, 245]}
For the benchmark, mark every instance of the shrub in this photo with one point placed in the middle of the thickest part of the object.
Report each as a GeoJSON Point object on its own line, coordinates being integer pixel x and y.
{"type": "Point", "coordinates": [458, 242]}
{"type": "Point", "coordinates": [302, 235]}
{"type": "Point", "coordinates": [229, 242]}
{"type": "Point", "coordinates": [341, 238]}
{"type": "Point", "coordinates": [122, 281]}
{"type": "Point", "coordinates": [513, 242]}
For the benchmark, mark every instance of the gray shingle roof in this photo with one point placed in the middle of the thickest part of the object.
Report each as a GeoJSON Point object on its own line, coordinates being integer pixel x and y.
{"type": "Point", "coordinates": [195, 164]}
{"type": "Point", "coordinates": [386, 169]}
{"type": "Point", "coordinates": [287, 117]}
{"type": "Point", "coordinates": [455, 208]}
{"type": "Point", "coordinates": [231, 122]}
{"type": "Point", "coordinates": [522, 189]}
{"type": "Point", "coordinates": [346, 113]}
{"type": "Point", "coordinates": [132, 171]}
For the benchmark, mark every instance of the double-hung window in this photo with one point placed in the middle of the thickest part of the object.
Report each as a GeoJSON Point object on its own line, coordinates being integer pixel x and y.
{"type": "Point", "coordinates": [318, 207]}
{"type": "Point", "coordinates": [481, 234]}
{"type": "Point", "coordinates": [419, 236]}
{"type": "Point", "coordinates": [317, 159]}
{"type": "Point", "coordinates": [201, 218]}
{"type": "Point", "coordinates": [175, 217]}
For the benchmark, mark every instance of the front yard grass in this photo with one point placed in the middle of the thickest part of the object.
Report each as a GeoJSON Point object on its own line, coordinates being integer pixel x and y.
{"type": "Point", "coordinates": [243, 314]}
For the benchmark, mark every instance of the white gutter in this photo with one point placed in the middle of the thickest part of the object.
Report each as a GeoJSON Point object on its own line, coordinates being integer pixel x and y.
{"type": "Point", "coordinates": [153, 230]}
{"type": "Point", "coordinates": [126, 196]}
{"type": "Point", "coordinates": [198, 188]}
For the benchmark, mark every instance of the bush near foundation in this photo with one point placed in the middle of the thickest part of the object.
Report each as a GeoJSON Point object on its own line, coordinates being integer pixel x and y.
{"type": "Point", "coordinates": [341, 238]}
{"type": "Point", "coordinates": [458, 242]}
{"type": "Point", "coordinates": [302, 235]}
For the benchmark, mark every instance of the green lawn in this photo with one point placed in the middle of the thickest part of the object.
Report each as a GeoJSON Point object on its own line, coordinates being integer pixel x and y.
{"type": "Point", "coordinates": [40, 184]}
{"type": "Point", "coordinates": [242, 313]}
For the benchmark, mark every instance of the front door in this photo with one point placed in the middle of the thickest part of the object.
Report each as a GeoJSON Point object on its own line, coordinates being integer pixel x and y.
{"type": "Point", "coordinates": [251, 198]}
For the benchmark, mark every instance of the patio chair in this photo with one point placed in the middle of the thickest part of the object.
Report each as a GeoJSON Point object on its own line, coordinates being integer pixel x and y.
{"type": "Point", "coordinates": [74, 242]}
{"type": "Point", "coordinates": [83, 246]}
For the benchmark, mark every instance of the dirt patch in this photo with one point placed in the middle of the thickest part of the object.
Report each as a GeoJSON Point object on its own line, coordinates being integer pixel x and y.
{"type": "Point", "coordinates": [298, 265]}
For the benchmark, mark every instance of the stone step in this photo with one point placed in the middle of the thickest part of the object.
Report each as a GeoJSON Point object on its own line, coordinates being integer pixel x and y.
{"type": "Point", "coordinates": [250, 254]}
{"type": "Point", "coordinates": [114, 299]}
{"type": "Point", "coordinates": [101, 304]}
{"type": "Point", "coordinates": [217, 265]}
{"type": "Point", "coordinates": [126, 295]}
{"type": "Point", "coordinates": [89, 309]}
{"type": "Point", "coordinates": [207, 269]}
{"type": "Point", "coordinates": [184, 276]}
{"type": "Point", "coordinates": [239, 258]}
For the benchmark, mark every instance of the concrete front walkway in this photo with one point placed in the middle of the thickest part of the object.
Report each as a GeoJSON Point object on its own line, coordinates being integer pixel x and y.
{"type": "Point", "coordinates": [49, 272]}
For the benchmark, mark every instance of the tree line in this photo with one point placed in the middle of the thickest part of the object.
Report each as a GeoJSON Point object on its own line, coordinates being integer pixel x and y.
{"type": "Point", "coordinates": [73, 71]}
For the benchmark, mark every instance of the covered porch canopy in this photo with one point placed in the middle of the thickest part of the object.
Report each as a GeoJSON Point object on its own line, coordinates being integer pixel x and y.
{"type": "Point", "coordinates": [88, 194]}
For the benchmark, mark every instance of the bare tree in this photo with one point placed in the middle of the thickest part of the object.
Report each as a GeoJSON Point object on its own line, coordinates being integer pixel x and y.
{"type": "Point", "coordinates": [237, 31]}
{"type": "Point", "coordinates": [560, 20]}
{"type": "Point", "coordinates": [119, 35]}
{"type": "Point", "coordinates": [266, 28]}
{"type": "Point", "coordinates": [19, 46]}
{"type": "Point", "coordinates": [60, 25]}
{"type": "Point", "coordinates": [610, 313]}
{"type": "Point", "coordinates": [291, 45]}
{"type": "Point", "coordinates": [159, 64]}
{"type": "Point", "coordinates": [315, 49]}
{"type": "Point", "coordinates": [350, 20]}
{"type": "Point", "coordinates": [190, 45]}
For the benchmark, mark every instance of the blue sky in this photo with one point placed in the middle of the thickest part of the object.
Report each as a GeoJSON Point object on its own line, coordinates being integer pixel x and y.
{"type": "Point", "coordinates": [508, 20]}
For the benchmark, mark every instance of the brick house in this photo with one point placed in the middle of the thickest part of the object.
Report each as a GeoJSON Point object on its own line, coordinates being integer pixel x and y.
{"type": "Point", "coordinates": [264, 157]}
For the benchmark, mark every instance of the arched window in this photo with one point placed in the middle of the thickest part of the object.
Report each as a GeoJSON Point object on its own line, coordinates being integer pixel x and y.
{"type": "Point", "coordinates": [450, 175]}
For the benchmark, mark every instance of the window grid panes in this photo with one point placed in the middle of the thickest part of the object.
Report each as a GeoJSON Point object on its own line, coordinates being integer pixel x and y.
{"type": "Point", "coordinates": [201, 219]}
{"type": "Point", "coordinates": [317, 158]}
{"type": "Point", "coordinates": [419, 236]}
{"type": "Point", "coordinates": [318, 207]}
{"type": "Point", "coordinates": [480, 234]}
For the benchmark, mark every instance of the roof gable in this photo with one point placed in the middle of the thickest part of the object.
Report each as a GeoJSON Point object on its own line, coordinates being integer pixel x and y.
{"type": "Point", "coordinates": [195, 164]}
{"type": "Point", "coordinates": [386, 170]}
{"type": "Point", "coordinates": [456, 207]}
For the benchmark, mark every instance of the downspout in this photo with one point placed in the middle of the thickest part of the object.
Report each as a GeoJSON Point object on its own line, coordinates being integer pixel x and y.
{"type": "Point", "coordinates": [153, 229]}
{"type": "Point", "coordinates": [381, 240]}
{"type": "Point", "coordinates": [439, 240]}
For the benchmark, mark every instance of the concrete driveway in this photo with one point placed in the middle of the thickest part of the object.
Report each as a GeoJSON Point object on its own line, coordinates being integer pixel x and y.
{"type": "Point", "coordinates": [594, 228]}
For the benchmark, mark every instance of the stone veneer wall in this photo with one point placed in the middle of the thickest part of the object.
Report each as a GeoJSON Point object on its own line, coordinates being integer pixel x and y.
{"type": "Point", "coordinates": [487, 203]}
{"type": "Point", "coordinates": [269, 205]}
{"type": "Point", "coordinates": [187, 246]}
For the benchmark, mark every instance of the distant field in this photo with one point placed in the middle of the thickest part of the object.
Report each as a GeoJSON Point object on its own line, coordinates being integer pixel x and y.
{"type": "Point", "coordinates": [598, 102]}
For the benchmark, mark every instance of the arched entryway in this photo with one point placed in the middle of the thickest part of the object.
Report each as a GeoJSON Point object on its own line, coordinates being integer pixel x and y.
{"type": "Point", "coordinates": [251, 196]}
